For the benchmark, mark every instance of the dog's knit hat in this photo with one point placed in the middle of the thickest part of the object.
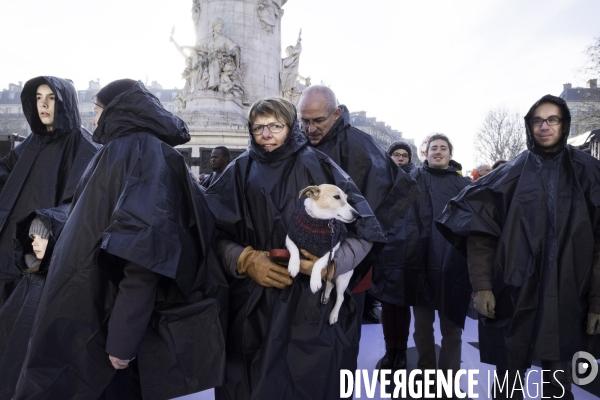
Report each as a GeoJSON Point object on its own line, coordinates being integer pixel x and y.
{"type": "Point", "coordinates": [38, 228]}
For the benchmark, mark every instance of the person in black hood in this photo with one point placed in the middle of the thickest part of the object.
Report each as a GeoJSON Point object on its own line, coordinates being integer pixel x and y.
{"type": "Point", "coordinates": [43, 171]}
{"type": "Point", "coordinates": [388, 189]}
{"type": "Point", "coordinates": [280, 344]}
{"type": "Point", "coordinates": [401, 153]}
{"type": "Point", "coordinates": [435, 273]}
{"type": "Point", "coordinates": [132, 276]}
{"type": "Point", "coordinates": [531, 232]}
{"type": "Point", "coordinates": [388, 283]}
{"type": "Point", "coordinates": [35, 237]}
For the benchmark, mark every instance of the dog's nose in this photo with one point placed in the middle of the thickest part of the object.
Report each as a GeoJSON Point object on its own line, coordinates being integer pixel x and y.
{"type": "Point", "coordinates": [354, 213]}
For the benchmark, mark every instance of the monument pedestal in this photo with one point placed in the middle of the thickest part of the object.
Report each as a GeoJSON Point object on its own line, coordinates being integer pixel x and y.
{"type": "Point", "coordinates": [214, 119]}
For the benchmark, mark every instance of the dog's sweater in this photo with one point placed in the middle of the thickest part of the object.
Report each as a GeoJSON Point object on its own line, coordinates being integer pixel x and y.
{"type": "Point", "coordinates": [317, 236]}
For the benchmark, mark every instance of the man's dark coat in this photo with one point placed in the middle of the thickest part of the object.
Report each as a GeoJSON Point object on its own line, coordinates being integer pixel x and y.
{"type": "Point", "coordinates": [435, 273]}
{"type": "Point", "coordinates": [544, 211]}
{"type": "Point", "coordinates": [386, 187]}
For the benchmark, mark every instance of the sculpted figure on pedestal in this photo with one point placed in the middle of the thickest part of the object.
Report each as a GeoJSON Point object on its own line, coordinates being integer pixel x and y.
{"type": "Point", "coordinates": [211, 51]}
{"type": "Point", "coordinates": [291, 83]}
{"type": "Point", "coordinates": [268, 12]}
{"type": "Point", "coordinates": [192, 67]}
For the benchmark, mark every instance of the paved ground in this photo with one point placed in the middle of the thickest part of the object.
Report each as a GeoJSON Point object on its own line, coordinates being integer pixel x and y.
{"type": "Point", "coordinates": [372, 349]}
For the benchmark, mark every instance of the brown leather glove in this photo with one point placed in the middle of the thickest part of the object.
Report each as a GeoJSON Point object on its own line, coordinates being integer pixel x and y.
{"type": "Point", "coordinates": [593, 324]}
{"type": "Point", "coordinates": [485, 303]}
{"type": "Point", "coordinates": [262, 270]}
{"type": "Point", "coordinates": [306, 265]}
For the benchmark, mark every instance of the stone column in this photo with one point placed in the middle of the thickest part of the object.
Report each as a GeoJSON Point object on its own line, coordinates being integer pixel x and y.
{"type": "Point", "coordinates": [251, 33]}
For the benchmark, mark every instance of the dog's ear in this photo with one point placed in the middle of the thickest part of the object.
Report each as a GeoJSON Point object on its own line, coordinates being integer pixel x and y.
{"type": "Point", "coordinates": [310, 191]}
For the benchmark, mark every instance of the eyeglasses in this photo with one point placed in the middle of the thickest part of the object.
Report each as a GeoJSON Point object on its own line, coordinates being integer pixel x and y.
{"type": "Point", "coordinates": [400, 155]}
{"type": "Point", "coordinates": [273, 127]}
{"type": "Point", "coordinates": [316, 121]}
{"type": "Point", "coordinates": [550, 121]}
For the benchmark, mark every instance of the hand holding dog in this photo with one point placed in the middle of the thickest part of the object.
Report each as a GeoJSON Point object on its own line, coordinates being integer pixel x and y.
{"type": "Point", "coordinates": [262, 270]}
{"type": "Point", "coordinates": [306, 265]}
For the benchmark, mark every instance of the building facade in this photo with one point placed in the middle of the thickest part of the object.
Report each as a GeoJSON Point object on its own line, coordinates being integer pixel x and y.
{"type": "Point", "coordinates": [584, 104]}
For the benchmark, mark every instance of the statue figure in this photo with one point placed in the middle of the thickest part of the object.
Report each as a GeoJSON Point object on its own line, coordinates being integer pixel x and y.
{"type": "Point", "coordinates": [211, 51]}
{"type": "Point", "coordinates": [290, 66]}
{"type": "Point", "coordinates": [230, 81]}
{"type": "Point", "coordinates": [268, 13]}
{"type": "Point", "coordinates": [191, 71]}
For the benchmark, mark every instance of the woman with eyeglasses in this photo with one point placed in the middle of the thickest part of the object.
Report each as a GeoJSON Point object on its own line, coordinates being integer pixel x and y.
{"type": "Point", "coordinates": [280, 344]}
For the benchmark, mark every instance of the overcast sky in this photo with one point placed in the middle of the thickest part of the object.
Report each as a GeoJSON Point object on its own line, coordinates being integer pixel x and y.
{"type": "Point", "coordinates": [420, 66]}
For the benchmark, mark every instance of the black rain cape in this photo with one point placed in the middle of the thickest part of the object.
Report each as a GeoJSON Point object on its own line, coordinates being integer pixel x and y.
{"type": "Point", "coordinates": [544, 209]}
{"type": "Point", "coordinates": [386, 187]}
{"type": "Point", "coordinates": [136, 202]}
{"type": "Point", "coordinates": [18, 313]}
{"type": "Point", "coordinates": [435, 273]}
{"type": "Point", "coordinates": [280, 344]}
{"type": "Point", "coordinates": [43, 171]}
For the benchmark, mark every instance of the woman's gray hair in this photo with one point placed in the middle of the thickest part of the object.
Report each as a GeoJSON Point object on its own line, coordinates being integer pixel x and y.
{"type": "Point", "coordinates": [283, 110]}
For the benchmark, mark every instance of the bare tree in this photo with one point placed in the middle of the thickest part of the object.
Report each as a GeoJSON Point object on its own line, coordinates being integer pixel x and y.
{"type": "Point", "coordinates": [592, 65]}
{"type": "Point", "coordinates": [501, 137]}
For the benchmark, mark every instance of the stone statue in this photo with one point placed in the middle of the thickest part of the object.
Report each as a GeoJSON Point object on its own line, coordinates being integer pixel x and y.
{"type": "Point", "coordinates": [268, 13]}
{"type": "Point", "coordinates": [191, 71]}
{"type": "Point", "coordinates": [211, 52]}
{"type": "Point", "coordinates": [289, 67]}
{"type": "Point", "coordinates": [230, 79]}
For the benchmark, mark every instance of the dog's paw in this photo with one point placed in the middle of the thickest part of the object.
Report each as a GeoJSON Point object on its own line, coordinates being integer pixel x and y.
{"type": "Point", "coordinates": [333, 317]}
{"type": "Point", "coordinates": [324, 298]}
{"type": "Point", "coordinates": [315, 283]}
{"type": "Point", "coordinates": [294, 267]}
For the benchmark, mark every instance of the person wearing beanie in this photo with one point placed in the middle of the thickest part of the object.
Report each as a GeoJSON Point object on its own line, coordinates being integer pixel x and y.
{"type": "Point", "coordinates": [395, 316]}
{"type": "Point", "coordinates": [401, 153]}
{"type": "Point", "coordinates": [43, 171]}
{"type": "Point", "coordinates": [33, 247]}
{"type": "Point", "coordinates": [39, 234]}
{"type": "Point", "coordinates": [138, 242]}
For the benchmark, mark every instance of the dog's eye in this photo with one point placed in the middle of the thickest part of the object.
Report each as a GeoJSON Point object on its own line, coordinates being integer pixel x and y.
{"type": "Point", "coordinates": [337, 197]}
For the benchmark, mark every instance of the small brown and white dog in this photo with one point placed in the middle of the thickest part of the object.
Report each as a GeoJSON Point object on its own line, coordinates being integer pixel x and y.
{"type": "Point", "coordinates": [318, 226]}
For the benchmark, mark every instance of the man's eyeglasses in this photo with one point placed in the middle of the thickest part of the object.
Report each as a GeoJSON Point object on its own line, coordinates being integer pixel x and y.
{"type": "Point", "coordinates": [273, 127]}
{"type": "Point", "coordinates": [550, 121]}
{"type": "Point", "coordinates": [400, 155]}
{"type": "Point", "coordinates": [315, 121]}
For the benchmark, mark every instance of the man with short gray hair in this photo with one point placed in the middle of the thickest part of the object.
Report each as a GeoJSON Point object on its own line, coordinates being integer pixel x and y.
{"type": "Point", "coordinates": [387, 188]}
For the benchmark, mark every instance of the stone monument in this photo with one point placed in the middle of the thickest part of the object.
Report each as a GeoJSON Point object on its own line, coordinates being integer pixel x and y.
{"type": "Point", "coordinates": [235, 61]}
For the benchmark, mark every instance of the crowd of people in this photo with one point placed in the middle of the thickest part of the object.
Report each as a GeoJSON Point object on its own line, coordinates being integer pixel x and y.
{"type": "Point", "coordinates": [122, 276]}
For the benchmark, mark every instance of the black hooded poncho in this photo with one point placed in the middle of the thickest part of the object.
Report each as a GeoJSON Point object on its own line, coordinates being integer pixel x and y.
{"type": "Point", "coordinates": [280, 344]}
{"type": "Point", "coordinates": [543, 209]}
{"type": "Point", "coordinates": [137, 202]}
{"type": "Point", "coordinates": [18, 313]}
{"type": "Point", "coordinates": [435, 273]}
{"type": "Point", "coordinates": [43, 171]}
{"type": "Point", "coordinates": [387, 188]}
